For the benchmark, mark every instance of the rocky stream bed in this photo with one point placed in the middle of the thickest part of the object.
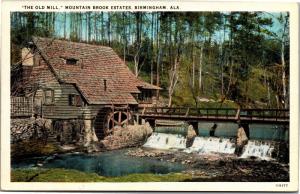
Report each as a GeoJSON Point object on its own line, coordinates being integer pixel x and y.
{"type": "Point", "coordinates": [199, 168]}
{"type": "Point", "coordinates": [220, 167]}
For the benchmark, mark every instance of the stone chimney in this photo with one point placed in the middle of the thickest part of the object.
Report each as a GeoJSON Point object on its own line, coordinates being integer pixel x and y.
{"type": "Point", "coordinates": [27, 57]}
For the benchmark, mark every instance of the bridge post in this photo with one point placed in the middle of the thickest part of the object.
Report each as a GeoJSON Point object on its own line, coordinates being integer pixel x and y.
{"type": "Point", "coordinates": [195, 126]}
{"type": "Point", "coordinates": [151, 123]}
{"type": "Point", "coordinates": [138, 119]}
{"type": "Point", "coordinates": [246, 129]}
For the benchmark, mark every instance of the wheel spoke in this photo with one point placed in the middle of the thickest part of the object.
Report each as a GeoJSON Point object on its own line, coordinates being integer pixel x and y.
{"type": "Point", "coordinates": [124, 121]}
{"type": "Point", "coordinates": [120, 117]}
{"type": "Point", "coordinates": [116, 118]}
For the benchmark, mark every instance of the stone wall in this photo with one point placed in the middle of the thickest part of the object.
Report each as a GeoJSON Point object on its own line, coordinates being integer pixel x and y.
{"type": "Point", "coordinates": [63, 132]}
{"type": "Point", "coordinates": [30, 128]}
{"type": "Point", "coordinates": [57, 131]}
{"type": "Point", "coordinates": [68, 131]}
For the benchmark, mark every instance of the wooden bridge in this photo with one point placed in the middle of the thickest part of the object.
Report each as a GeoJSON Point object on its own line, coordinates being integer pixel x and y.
{"type": "Point", "coordinates": [271, 116]}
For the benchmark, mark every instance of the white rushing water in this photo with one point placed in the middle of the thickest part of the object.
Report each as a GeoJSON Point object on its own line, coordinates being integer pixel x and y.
{"type": "Point", "coordinates": [206, 145]}
{"type": "Point", "coordinates": [166, 141]}
{"type": "Point", "coordinates": [203, 145]}
{"type": "Point", "coordinates": [258, 149]}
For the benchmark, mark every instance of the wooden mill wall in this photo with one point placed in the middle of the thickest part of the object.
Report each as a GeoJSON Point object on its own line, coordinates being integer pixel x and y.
{"type": "Point", "coordinates": [59, 108]}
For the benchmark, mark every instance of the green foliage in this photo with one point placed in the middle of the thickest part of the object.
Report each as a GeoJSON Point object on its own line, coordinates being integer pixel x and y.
{"type": "Point", "coordinates": [171, 177]}
{"type": "Point", "coordinates": [53, 175]}
{"type": "Point", "coordinates": [24, 175]}
{"type": "Point", "coordinates": [67, 175]}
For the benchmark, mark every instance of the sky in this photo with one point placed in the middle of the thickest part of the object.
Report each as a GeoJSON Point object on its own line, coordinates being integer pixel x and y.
{"type": "Point", "coordinates": [218, 36]}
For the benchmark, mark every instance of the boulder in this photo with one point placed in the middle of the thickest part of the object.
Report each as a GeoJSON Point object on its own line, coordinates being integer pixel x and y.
{"type": "Point", "coordinates": [242, 138]}
{"type": "Point", "coordinates": [241, 141]}
{"type": "Point", "coordinates": [130, 136]}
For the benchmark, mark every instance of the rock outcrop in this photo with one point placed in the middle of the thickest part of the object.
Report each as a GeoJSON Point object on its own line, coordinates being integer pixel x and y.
{"type": "Point", "coordinates": [241, 141]}
{"type": "Point", "coordinates": [132, 135]}
{"type": "Point", "coordinates": [242, 138]}
{"type": "Point", "coordinates": [191, 134]}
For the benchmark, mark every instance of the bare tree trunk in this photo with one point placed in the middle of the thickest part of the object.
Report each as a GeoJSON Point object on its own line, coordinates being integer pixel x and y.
{"type": "Point", "coordinates": [124, 38]}
{"type": "Point", "coordinates": [65, 25]}
{"type": "Point", "coordinates": [193, 56]}
{"type": "Point", "coordinates": [283, 75]}
{"type": "Point", "coordinates": [102, 28]}
{"type": "Point", "coordinates": [230, 79]}
{"type": "Point", "coordinates": [230, 55]}
{"type": "Point", "coordinates": [80, 26]}
{"type": "Point", "coordinates": [109, 29]}
{"type": "Point", "coordinates": [284, 87]}
{"type": "Point", "coordinates": [193, 69]}
{"type": "Point", "coordinates": [222, 81]}
{"type": "Point", "coordinates": [269, 94]}
{"type": "Point", "coordinates": [136, 63]}
{"type": "Point", "coordinates": [95, 27]}
{"type": "Point", "coordinates": [138, 16]}
{"type": "Point", "coordinates": [86, 26]}
{"type": "Point", "coordinates": [89, 26]}
{"type": "Point", "coordinates": [277, 101]}
{"type": "Point", "coordinates": [138, 43]}
{"type": "Point", "coordinates": [159, 50]}
{"type": "Point", "coordinates": [200, 67]}
{"type": "Point", "coordinates": [152, 48]}
{"type": "Point", "coordinates": [173, 74]}
{"type": "Point", "coordinates": [53, 23]}
{"type": "Point", "coordinates": [223, 58]}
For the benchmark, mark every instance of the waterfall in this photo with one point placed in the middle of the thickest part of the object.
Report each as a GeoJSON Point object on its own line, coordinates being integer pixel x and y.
{"type": "Point", "coordinates": [166, 141]}
{"type": "Point", "coordinates": [204, 145]}
{"type": "Point", "coordinates": [258, 149]}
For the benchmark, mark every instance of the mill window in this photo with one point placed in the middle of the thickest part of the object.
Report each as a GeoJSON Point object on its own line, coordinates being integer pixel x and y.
{"type": "Point", "coordinates": [71, 61]}
{"type": "Point", "coordinates": [75, 100]}
{"type": "Point", "coordinates": [48, 96]}
{"type": "Point", "coordinates": [145, 96]}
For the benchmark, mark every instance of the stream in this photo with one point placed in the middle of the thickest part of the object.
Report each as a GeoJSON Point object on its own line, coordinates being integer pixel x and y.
{"type": "Point", "coordinates": [164, 153]}
{"type": "Point", "coordinates": [111, 163]}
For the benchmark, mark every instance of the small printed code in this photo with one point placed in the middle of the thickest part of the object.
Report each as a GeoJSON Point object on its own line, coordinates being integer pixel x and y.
{"type": "Point", "coordinates": [281, 185]}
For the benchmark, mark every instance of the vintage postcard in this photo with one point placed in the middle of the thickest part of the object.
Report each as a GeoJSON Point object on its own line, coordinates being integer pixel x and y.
{"type": "Point", "coordinates": [149, 96]}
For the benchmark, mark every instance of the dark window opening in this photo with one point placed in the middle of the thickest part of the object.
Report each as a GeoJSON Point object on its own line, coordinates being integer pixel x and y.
{"type": "Point", "coordinates": [71, 61]}
{"type": "Point", "coordinates": [48, 96]}
{"type": "Point", "coordinates": [145, 96]}
{"type": "Point", "coordinates": [75, 100]}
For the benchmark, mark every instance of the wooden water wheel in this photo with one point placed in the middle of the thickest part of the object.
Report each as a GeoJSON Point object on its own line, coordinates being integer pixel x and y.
{"type": "Point", "coordinates": [116, 118]}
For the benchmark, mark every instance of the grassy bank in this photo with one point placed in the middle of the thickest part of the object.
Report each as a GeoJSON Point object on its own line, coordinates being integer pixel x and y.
{"type": "Point", "coordinates": [66, 175]}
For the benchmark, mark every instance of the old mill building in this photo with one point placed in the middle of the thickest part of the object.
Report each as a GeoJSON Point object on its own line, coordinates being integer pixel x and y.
{"type": "Point", "coordinates": [67, 80]}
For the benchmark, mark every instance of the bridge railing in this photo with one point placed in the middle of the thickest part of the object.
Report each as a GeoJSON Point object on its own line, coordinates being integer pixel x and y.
{"type": "Point", "coordinates": [186, 111]}
{"type": "Point", "coordinates": [265, 113]}
{"type": "Point", "coordinates": [226, 113]}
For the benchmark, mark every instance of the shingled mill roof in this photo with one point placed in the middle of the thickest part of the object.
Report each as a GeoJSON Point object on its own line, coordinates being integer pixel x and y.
{"type": "Point", "coordinates": [96, 66]}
